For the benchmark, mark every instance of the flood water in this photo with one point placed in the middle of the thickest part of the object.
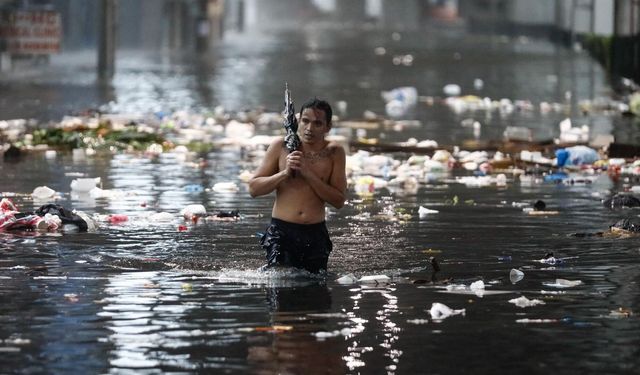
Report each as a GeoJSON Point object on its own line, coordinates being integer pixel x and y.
{"type": "Point", "coordinates": [141, 297]}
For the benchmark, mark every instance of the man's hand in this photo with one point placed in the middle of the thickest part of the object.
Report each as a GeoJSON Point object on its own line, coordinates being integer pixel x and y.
{"type": "Point", "coordinates": [295, 162]}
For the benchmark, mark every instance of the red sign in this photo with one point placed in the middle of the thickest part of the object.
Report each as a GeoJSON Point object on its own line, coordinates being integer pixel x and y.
{"type": "Point", "coordinates": [31, 32]}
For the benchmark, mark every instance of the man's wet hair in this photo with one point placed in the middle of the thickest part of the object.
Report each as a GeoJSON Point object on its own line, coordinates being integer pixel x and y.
{"type": "Point", "coordinates": [322, 105]}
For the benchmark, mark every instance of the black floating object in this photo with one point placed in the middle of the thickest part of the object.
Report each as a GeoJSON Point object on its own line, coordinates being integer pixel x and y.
{"type": "Point", "coordinates": [434, 264]}
{"type": "Point", "coordinates": [539, 205]}
{"type": "Point", "coordinates": [12, 154]}
{"type": "Point", "coordinates": [622, 201]}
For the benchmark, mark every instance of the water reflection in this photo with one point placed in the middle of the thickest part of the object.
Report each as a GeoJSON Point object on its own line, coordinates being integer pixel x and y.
{"type": "Point", "coordinates": [153, 316]}
{"type": "Point", "coordinates": [361, 347]}
{"type": "Point", "coordinates": [300, 309]}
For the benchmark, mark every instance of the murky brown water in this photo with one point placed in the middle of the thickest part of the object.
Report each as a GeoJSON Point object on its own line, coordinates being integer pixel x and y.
{"type": "Point", "coordinates": [145, 298]}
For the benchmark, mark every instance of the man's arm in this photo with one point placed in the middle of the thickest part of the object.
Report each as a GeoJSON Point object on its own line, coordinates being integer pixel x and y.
{"type": "Point", "coordinates": [333, 192]}
{"type": "Point", "coordinates": [267, 176]}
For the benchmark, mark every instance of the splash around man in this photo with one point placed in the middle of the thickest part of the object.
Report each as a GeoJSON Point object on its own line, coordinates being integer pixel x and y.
{"type": "Point", "coordinates": [304, 181]}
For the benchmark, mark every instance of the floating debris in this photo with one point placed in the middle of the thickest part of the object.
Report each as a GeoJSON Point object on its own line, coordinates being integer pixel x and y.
{"type": "Point", "coordinates": [525, 302]}
{"type": "Point", "coordinates": [563, 283]}
{"type": "Point", "coordinates": [439, 312]}
{"type": "Point", "coordinates": [515, 275]}
{"type": "Point", "coordinates": [375, 279]}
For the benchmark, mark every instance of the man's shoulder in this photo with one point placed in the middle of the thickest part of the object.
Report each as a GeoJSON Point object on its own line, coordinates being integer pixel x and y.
{"type": "Point", "coordinates": [335, 148]}
{"type": "Point", "coordinates": [278, 145]}
{"type": "Point", "coordinates": [277, 142]}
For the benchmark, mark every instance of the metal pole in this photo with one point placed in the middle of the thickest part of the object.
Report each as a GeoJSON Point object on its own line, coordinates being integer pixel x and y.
{"type": "Point", "coordinates": [572, 22]}
{"type": "Point", "coordinates": [107, 40]}
{"type": "Point", "coordinates": [593, 17]}
{"type": "Point", "coordinates": [203, 26]}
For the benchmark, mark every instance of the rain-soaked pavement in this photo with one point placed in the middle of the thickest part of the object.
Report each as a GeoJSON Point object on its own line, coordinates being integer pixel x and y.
{"type": "Point", "coordinates": [144, 297]}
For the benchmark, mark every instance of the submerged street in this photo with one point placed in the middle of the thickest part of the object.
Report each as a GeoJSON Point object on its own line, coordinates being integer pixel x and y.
{"type": "Point", "coordinates": [151, 294]}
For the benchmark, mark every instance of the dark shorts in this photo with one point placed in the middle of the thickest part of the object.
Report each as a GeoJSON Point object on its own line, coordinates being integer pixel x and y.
{"type": "Point", "coordinates": [305, 246]}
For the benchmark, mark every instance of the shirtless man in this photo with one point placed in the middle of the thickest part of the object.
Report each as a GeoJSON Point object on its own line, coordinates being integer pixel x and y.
{"type": "Point", "coordinates": [304, 180]}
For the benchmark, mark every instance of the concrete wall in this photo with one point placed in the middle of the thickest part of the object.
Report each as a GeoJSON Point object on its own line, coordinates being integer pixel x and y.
{"type": "Point", "coordinates": [604, 20]}
{"type": "Point", "coordinates": [532, 12]}
{"type": "Point", "coordinates": [627, 17]}
{"type": "Point", "coordinates": [586, 16]}
{"type": "Point", "coordinates": [401, 14]}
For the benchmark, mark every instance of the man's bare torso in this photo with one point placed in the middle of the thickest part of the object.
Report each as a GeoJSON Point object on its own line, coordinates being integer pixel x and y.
{"type": "Point", "coordinates": [295, 201]}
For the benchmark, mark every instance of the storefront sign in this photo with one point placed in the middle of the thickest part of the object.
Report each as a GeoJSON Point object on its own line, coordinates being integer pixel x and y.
{"type": "Point", "coordinates": [31, 32]}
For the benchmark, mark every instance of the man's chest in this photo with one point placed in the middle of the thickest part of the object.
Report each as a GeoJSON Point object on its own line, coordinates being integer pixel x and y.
{"type": "Point", "coordinates": [320, 162]}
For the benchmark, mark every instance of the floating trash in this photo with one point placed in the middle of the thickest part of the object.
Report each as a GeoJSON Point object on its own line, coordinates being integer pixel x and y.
{"type": "Point", "coordinates": [541, 321]}
{"type": "Point", "coordinates": [525, 302]}
{"type": "Point", "coordinates": [563, 283]}
{"type": "Point", "coordinates": [375, 279]}
{"type": "Point", "coordinates": [160, 217]}
{"type": "Point", "coordinates": [193, 188]}
{"type": "Point", "coordinates": [621, 312]}
{"type": "Point", "coordinates": [43, 192]}
{"type": "Point", "coordinates": [347, 279]}
{"type": "Point", "coordinates": [225, 187]}
{"type": "Point", "coordinates": [117, 218]}
{"type": "Point", "coordinates": [452, 89]}
{"type": "Point", "coordinates": [440, 312]}
{"type": "Point", "coordinates": [423, 212]}
{"type": "Point", "coordinates": [84, 185]}
{"type": "Point", "coordinates": [193, 210]}
{"type": "Point", "coordinates": [515, 275]}
{"type": "Point", "coordinates": [324, 334]}
{"type": "Point", "coordinates": [418, 321]}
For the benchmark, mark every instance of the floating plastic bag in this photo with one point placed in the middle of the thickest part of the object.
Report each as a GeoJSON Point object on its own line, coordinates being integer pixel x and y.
{"type": "Point", "coordinates": [225, 187]}
{"type": "Point", "coordinates": [477, 287]}
{"type": "Point", "coordinates": [407, 95]}
{"type": "Point", "coordinates": [193, 210]}
{"type": "Point", "coordinates": [525, 302]}
{"type": "Point", "coordinates": [84, 185]}
{"type": "Point", "coordinates": [91, 224]}
{"type": "Point", "coordinates": [440, 311]}
{"type": "Point", "coordinates": [400, 100]}
{"type": "Point", "coordinates": [43, 192]}
{"type": "Point", "coordinates": [423, 212]}
{"type": "Point", "coordinates": [160, 217]}
{"type": "Point", "coordinates": [374, 279]}
{"type": "Point", "coordinates": [53, 221]}
{"type": "Point", "coordinates": [563, 283]}
{"type": "Point", "coordinates": [579, 155]}
{"type": "Point", "coordinates": [347, 279]}
{"type": "Point", "coordinates": [96, 193]}
{"type": "Point", "coordinates": [452, 89]}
